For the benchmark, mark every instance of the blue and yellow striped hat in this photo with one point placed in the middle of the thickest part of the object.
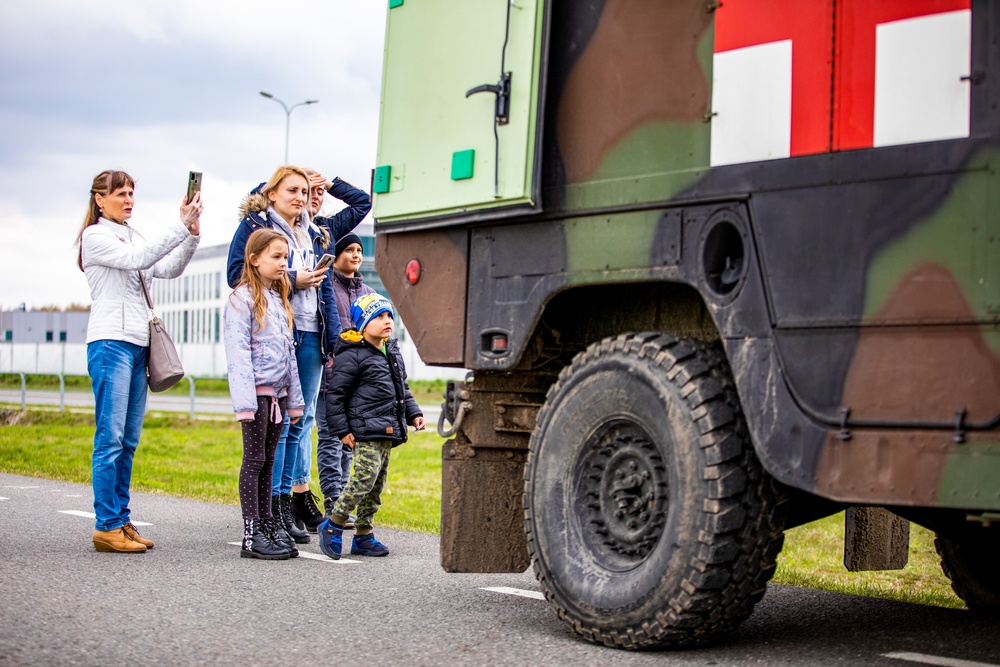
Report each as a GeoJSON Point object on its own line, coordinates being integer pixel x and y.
{"type": "Point", "coordinates": [367, 307]}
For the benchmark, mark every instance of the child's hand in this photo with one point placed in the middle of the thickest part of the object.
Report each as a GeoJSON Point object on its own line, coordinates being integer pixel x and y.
{"type": "Point", "coordinates": [348, 440]}
{"type": "Point", "coordinates": [419, 424]}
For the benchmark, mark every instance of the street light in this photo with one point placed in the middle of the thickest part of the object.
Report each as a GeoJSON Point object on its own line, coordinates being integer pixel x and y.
{"type": "Point", "coordinates": [288, 115]}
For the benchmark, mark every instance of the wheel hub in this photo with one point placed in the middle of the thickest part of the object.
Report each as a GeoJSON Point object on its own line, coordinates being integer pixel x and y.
{"type": "Point", "coordinates": [621, 495]}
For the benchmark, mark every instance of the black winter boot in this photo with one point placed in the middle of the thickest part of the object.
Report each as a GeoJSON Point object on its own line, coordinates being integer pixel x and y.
{"type": "Point", "coordinates": [272, 528]}
{"type": "Point", "coordinates": [304, 509]}
{"type": "Point", "coordinates": [281, 509]}
{"type": "Point", "coordinates": [257, 545]}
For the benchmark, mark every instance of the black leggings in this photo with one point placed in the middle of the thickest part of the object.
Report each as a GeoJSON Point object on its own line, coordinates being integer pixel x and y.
{"type": "Point", "coordinates": [260, 439]}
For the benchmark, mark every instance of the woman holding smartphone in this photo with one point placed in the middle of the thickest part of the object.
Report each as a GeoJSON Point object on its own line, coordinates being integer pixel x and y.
{"type": "Point", "coordinates": [115, 257]}
{"type": "Point", "coordinates": [289, 202]}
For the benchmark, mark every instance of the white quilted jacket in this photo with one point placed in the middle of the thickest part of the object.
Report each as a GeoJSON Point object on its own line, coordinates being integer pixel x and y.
{"type": "Point", "coordinates": [112, 256]}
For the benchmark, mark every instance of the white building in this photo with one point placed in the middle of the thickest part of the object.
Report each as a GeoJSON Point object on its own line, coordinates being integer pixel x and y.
{"type": "Point", "coordinates": [190, 307]}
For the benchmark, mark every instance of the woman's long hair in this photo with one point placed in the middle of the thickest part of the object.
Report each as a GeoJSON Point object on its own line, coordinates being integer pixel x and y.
{"type": "Point", "coordinates": [257, 244]}
{"type": "Point", "coordinates": [105, 183]}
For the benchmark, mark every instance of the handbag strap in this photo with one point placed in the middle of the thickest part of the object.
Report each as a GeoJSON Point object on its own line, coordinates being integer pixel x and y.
{"type": "Point", "coordinates": [145, 291]}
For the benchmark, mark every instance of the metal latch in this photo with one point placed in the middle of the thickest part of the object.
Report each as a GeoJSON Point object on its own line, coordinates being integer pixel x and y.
{"type": "Point", "coordinates": [502, 90]}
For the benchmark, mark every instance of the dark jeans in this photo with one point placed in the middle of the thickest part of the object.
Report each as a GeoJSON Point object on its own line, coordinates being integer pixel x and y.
{"type": "Point", "coordinates": [332, 458]}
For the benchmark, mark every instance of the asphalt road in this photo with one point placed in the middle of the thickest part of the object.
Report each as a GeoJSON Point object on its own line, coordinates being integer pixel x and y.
{"type": "Point", "coordinates": [192, 601]}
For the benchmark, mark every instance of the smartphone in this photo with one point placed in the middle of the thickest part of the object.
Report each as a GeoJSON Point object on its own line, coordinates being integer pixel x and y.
{"type": "Point", "coordinates": [324, 261]}
{"type": "Point", "coordinates": [194, 184]}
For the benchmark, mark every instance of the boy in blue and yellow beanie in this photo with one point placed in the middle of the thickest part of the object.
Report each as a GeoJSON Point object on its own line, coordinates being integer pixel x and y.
{"type": "Point", "coordinates": [368, 406]}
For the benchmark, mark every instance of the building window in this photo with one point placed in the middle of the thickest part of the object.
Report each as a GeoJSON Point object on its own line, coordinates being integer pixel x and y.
{"type": "Point", "coordinates": [48, 336]}
{"type": "Point", "coordinates": [184, 334]}
{"type": "Point", "coordinates": [217, 325]}
{"type": "Point", "coordinates": [8, 335]}
{"type": "Point", "coordinates": [62, 336]}
{"type": "Point", "coordinates": [218, 287]}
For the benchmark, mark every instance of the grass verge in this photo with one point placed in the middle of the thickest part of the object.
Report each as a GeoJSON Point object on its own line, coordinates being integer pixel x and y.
{"type": "Point", "coordinates": [426, 392]}
{"type": "Point", "coordinates": [201, 460]}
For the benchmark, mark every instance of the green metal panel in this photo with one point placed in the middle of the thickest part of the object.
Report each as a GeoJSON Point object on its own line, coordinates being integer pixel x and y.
{"type": "Point", "coordinates": [383, 176]}
{"type": "Point", "coordinates": [436, 51]}
{"type": "Point", "coordinates": [463, 164]}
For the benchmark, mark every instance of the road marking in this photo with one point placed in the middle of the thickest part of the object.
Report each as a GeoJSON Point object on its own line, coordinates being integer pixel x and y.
{"type": "Point", "coordinates": [74, 495]}
{"type": "Point", "coordinates": [308, 555]}
{"type": "Point", "coordinates": [91, 515]}
{"type": "Point", "coordinates": [535, 595]}
{"type": "Point", "coordinates": [936, 660]}
{"type": "Point", "coordinates": [2, 498]}
{"type": "Point", "coordinates": [20, 487]}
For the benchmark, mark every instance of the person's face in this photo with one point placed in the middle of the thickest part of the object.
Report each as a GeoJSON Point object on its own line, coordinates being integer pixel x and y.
{"type": "Point", "coordinates": [116, 206]}
{"type": "Point", "coordinates": [348, 262]}
{"type": "Point", "coordinates": [315, 200]}
{"type": "Point", "coordinates": [379, 328]}
{"type": "Point", "coordinates": [271, 263]}
{"type": "Point", "coordinates": [290, 197]}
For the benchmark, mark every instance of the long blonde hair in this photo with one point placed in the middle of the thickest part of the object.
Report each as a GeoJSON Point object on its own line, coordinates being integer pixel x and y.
{"type": "Point", "coordinates": [104, 184]}
{"type": "Point", "coordinates": [257, 244]}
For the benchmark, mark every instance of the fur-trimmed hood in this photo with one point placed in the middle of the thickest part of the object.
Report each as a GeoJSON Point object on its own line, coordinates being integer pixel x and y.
{"type": "Point", "coordinates": [255, 202]}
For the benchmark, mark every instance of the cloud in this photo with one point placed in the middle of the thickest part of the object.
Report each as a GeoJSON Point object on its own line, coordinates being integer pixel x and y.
{"type": "Point", "coordinates": [159, 89]}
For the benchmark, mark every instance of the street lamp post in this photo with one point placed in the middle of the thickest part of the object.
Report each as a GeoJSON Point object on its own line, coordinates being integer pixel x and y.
{"type": "Point", "coordinates": [288, 115]}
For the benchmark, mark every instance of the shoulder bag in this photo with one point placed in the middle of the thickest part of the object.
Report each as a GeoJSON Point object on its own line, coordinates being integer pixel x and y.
{"type": "Point", "coordinates": [163, 365]}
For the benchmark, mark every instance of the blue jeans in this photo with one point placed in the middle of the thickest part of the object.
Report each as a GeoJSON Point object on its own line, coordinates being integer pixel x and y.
{"type": "Point", "coordinates": [281, 480]}
{"type": "Point", "coordinates": [118, 376]}
{"type": "Point", "coordinates": [293, 458]}
{"type": "Point", "coordinates": [332, 458]}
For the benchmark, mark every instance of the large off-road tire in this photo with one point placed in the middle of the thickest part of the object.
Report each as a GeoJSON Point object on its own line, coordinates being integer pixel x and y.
{"type": "Point", "coordinates": [650, 521]}
{"type": "Point", "coordinates": [971, 559]}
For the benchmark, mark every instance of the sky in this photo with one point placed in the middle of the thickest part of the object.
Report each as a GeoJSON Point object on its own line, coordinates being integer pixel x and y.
{"type": "Point", "coordinates": [162, 88]}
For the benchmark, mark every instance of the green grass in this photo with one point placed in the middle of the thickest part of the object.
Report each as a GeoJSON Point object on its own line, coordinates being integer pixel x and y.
{"type": "Point", "coordinates": [427, 392]}
{"type": "Point", "coordinates": [201, 460]}
{"type": "Point", "coordinates": [813, 556]}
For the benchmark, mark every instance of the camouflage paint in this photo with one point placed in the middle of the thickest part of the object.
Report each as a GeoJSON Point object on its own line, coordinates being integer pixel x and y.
{"type": "Point", "coordinates": [868, 278]}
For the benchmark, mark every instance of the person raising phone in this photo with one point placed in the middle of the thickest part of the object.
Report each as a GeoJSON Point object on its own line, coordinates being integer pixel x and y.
{"type": "Point", "coordinates": [115, 257]}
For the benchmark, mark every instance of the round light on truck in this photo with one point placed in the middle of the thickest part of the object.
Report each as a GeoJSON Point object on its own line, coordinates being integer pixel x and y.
{"type": "Point", "coordinates": [413, 270]}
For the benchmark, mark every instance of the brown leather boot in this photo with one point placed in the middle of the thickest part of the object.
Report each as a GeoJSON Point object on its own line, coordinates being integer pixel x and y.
{"type": "Point", "coordinates": [133, 534]}
{"type": "Point", "coordinates": [117, 540]}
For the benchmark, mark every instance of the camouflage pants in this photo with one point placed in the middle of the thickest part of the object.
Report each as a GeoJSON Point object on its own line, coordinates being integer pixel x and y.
{"type": "Point", "coordinates": [364, 488]}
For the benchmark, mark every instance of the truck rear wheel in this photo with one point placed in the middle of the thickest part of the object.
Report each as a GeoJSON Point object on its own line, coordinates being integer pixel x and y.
{"type": "Point", "coordinates": [971, 560]}
{"type": "Point", "coordinates": [650, 521]}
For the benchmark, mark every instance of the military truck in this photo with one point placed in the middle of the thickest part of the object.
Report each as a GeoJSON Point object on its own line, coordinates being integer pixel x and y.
{"type": "Point", "coordinates": [717, 269]}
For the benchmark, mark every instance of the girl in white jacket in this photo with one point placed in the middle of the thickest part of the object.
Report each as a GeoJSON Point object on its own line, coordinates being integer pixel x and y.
{"type": "Point", "coordinates": [112, 255]}
{"type": "Point", "coordinates": [264, 383]}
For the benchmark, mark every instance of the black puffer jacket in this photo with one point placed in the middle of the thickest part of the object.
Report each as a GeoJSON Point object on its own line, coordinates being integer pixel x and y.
{"type": "Point", "coordinates": [368, 395]}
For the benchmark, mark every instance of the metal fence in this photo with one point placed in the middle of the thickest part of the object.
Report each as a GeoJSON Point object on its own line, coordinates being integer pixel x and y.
{"type": "Point", "coordinates": [206, 360]}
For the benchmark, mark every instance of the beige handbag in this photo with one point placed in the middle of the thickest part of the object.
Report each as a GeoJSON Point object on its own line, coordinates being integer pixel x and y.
{"type": "Point", "coordinates": [163, 366]}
